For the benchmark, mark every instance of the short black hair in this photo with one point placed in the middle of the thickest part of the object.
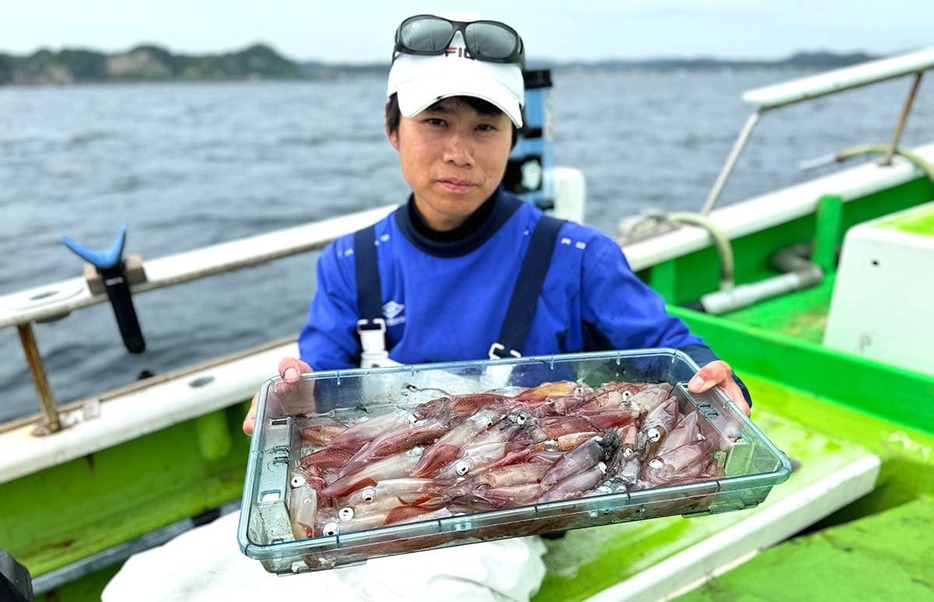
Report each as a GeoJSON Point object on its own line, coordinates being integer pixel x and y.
{"type": "Point", "coordinates": [394, 114]}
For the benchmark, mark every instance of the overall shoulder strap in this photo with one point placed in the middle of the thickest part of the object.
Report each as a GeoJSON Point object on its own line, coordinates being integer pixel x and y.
{"type": "Point", "coordinates": [527, 290]}
{"type": "Point", "coordinates": [367, 270]}
{"type": "Point", "coordinates": [371, 327]}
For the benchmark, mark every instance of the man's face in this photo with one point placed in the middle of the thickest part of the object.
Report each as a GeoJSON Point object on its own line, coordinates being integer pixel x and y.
{"type": "Point", "coordinates": [453, 158]}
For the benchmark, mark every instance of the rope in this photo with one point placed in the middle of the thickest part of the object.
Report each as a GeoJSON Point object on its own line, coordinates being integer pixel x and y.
{"type": "Point", "coordinates": [722, 243]}
{"type": "Point", "coordinates": [867, 149]}
{"type": "Point", "coordinates": [653, 224]}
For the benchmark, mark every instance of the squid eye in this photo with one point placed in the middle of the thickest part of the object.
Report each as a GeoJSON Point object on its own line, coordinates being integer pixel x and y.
{"type": "Point", "coordinates": [653, 434]}
{"type": "Point", "coordinates": [331, 529]}
{"type": "Point", "coordinates": [345, 514]}
{"type": "Point", "coordinates": [627, 395]}
{"type": "Point", "coordinates": [297, 481]}
{"type": "Point", "coordinates": [462, 467]}
{"type": "Point", "coordinates": [368, 494]}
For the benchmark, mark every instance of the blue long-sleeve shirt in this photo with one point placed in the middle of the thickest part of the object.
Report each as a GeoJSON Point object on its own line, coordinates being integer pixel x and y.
{"type": "Point", "coordinates": [445, 300]}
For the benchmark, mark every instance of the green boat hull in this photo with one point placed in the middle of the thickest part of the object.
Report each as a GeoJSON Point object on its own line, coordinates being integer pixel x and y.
{"type": "Point", "coordinates": [79, 511]}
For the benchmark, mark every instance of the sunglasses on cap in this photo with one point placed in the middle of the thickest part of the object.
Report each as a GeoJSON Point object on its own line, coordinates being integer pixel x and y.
{"type": "Point", "coordinates": [490, 41]}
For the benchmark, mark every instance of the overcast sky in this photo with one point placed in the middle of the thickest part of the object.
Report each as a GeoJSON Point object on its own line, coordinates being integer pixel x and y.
{"type": "Point", "coordinates": [361, 31]}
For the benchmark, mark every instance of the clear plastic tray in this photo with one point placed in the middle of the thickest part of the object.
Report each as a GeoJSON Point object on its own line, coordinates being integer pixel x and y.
{"type": "Point", "coordinates": [748, 463]}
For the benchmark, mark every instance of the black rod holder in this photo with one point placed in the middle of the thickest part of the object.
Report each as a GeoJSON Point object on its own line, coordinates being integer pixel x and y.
{"type": "Point", "coordinates": [112, 269]}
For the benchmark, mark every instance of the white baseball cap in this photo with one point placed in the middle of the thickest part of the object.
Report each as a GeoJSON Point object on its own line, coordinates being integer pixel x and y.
{"type": "Point", "coordinates": [420, 80]}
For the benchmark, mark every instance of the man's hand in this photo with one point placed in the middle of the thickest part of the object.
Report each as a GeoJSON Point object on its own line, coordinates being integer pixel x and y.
{"type": "Point", "coordinates": [719, 374]}
{"type": "Point", "coordinates": [290, 370]}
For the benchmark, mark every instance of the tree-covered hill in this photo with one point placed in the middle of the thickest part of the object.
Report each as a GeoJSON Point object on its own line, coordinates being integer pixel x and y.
{"type": "Point", "coordinates": [144, 63]}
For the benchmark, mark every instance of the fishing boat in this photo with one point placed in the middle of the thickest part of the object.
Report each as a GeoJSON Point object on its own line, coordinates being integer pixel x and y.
{"type": "Point", "coordinates": [814, 293]}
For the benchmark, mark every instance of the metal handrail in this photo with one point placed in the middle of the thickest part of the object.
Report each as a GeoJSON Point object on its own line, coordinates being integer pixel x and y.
{"type": "Point", "coordinates": [832, 82]}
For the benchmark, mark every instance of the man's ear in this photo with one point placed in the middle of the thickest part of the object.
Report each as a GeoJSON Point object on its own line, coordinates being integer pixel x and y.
{"type": "Point", "coordinates": [393, 137]}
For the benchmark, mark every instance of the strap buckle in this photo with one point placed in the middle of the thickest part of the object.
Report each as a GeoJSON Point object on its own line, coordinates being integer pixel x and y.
{"type": "Point", "coordinates": [377, 324]}
{"type": "Point", "coordinates": [498, 348]}
{"type": "Point", "coordinates": [373, 343]}
{"type": "Point", "coordinates": [372, 335]}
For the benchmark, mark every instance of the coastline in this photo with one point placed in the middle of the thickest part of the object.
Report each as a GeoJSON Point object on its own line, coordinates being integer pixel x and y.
{"type": "Point", "coordinates": [262, 62]}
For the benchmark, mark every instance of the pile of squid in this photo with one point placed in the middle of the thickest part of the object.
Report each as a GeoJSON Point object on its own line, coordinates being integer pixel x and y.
{"type": "Point", "coordinates": [461, 454]}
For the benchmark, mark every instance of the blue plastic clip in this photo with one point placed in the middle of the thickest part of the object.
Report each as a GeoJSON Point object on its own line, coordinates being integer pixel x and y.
{"type": "Point", "coordinates": [102, 260]}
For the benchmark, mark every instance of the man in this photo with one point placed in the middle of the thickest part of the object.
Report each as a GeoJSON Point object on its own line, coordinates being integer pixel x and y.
{"type": "Point", "coordinates": [446, 266]}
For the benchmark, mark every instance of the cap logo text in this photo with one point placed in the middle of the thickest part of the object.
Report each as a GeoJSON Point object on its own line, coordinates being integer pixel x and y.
{"type": "Point", "coordinates": [458, 51]}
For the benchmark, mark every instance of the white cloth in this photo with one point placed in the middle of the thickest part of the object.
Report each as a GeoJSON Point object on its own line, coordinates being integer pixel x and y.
{"type": "Point", "coordinates": [206, 565]}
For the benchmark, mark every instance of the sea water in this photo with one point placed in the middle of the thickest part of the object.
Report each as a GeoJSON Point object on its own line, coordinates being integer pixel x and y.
{"type": "Point", "coordinates": [190, 164]}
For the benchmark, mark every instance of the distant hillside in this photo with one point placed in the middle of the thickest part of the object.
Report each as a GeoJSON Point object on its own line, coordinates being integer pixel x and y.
{"type": "Point", "coordinates": [144, 63]}
{"type": "Point", "coordinates": [153, 63]}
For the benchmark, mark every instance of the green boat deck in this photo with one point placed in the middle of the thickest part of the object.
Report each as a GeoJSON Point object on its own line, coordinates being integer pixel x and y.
{"type": "Point", "coordinates": [879, 547]}
{"type": "Point", "coordinates": [885, 556]}
{"type": "Point", "coordinates": [825, 409]}
{"type": "Point", "coordinates": [820, 437]}
{"type": "Point", "coordinates": [661, 555]}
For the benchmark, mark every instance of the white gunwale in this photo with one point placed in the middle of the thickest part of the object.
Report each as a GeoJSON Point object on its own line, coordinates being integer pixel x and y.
{"type": "Point", "coordinates": [778, 95]}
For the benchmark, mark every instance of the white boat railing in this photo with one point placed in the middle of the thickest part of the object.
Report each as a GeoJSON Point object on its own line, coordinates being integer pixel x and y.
{"type": "Point", "coordinates": [55, 301]}
{"type": "Point", "coordinates": [832, 82]}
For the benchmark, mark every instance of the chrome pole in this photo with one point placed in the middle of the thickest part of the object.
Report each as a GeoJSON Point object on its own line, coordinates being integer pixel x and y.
{"type": "Point", "coordinates": [730, 162]}
{"type": "Point", "coordinates": [902, 119]}
{"type": "Point", "coordinates": [39, 379]}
